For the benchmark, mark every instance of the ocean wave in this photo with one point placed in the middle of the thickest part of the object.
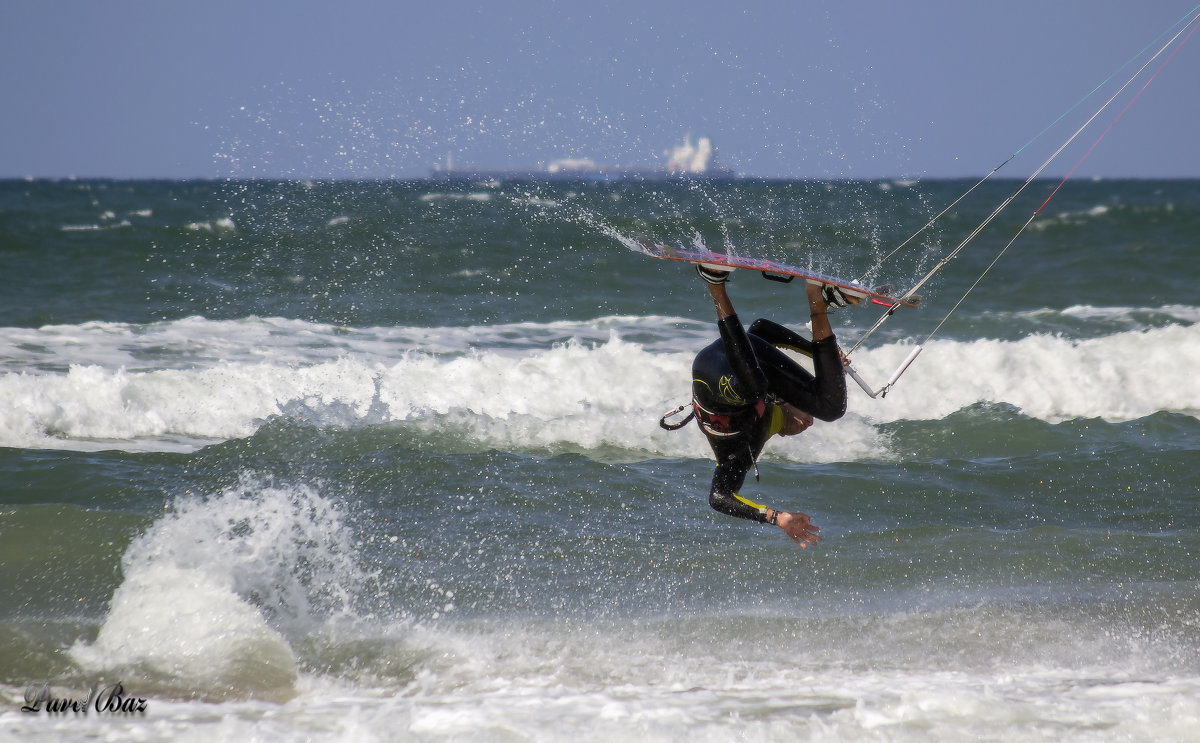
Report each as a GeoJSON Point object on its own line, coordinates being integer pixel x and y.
{"type": "Point", "coordinates": [95, 227]}
{"type": "Point", "coordinates": [580, 385]}
{"type": "Point", "coordinates": [1133, 318]}
{"type": "Point", "coordinates": [474, 196]}
{"type": "Point", "coordinates": [224, 224]}
{"type": "Point", "coordinates": [196, 342]}
{"type": "Point", "coordinates": [216, 592]}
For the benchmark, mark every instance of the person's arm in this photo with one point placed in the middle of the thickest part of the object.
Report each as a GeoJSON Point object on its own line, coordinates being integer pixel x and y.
{"type": "Point", "coordinates": [723, 497]}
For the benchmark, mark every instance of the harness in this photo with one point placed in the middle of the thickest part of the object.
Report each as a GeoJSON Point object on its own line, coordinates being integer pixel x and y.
{"type": "Point", "coordinates": [718, 425]}
{"type": "Point", "coordinates": [662, 422]}
{"type": "Point", "coordinates": [724, 427]}
{"type": "Point", "coordinates": [730, 425]}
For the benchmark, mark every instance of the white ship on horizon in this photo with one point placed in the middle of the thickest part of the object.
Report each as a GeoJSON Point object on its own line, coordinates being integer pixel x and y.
{"type": "Point", "coordinates": [684, 161]}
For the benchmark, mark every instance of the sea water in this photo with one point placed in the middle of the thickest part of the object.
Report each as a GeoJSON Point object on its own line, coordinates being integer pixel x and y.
{"type": "Point", "coordinates": [381, 461]}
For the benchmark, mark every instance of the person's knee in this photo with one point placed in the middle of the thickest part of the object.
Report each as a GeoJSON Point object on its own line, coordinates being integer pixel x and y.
{"type": "Point", "coordinates": [827, 411]}
{"type": "Point", "coordinates": [757, 326]}
{"type": "Point", "coordinates": [831, 410]}
{"type": "Point", "coordinates": [834, 415]}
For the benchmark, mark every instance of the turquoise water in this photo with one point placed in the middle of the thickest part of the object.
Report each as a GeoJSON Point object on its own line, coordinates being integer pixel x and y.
{"type": "Point", "coordinates": [380, 461]}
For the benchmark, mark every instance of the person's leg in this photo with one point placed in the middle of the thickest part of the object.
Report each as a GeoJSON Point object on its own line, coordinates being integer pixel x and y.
{"type": "Point", "coordinates": [823, 395]}
{"type": "Point", "coordinates": [818, 310]}
{"type": "Point", "coordinates": [780, 336]}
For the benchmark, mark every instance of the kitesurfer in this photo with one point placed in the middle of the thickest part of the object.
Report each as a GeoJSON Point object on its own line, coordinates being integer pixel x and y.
{"type": "Point", "coordinates": [745, 390]}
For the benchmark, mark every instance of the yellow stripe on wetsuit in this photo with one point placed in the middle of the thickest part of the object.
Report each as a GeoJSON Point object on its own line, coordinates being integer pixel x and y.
{"type": "Point", "coordinates": [761, 508]}
{"type": "Point", "coordinates": [776, 419]}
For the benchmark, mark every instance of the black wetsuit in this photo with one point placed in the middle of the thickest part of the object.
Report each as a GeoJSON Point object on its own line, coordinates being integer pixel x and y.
{"type": "Point", "coordinates": [735, 382]}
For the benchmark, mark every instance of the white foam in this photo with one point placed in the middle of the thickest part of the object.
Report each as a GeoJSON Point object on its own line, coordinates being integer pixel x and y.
{"type": "Point", "coordinates": [474, 196]}
{"type": "Point", "coordinates": [95, 227]}
{"type": "Point", "coordinates": [1118, 377]}
{"type": "Point", "coordinates": [1073, 218]}
{"type": "Point", "coordinates": [1131, 316]}
{"type": "Point", "coordinates": [195, 342]}
{"type": "Point", "coordinates": [225, 224]}
{"type": "Point", "coordinates": [188, 628]}
{"type": "Point", "coordinates": [725, 701]}
{"type": "Point", "coordinates": [215, 590]}
{"type": "Point", "coordinates": [991, 672]}
{"type": "Point", "coordinates": [584, 385]}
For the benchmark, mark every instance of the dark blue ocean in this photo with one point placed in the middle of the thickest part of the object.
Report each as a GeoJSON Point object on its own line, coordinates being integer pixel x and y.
{"type": "Point", "coordinates": [380, 461]}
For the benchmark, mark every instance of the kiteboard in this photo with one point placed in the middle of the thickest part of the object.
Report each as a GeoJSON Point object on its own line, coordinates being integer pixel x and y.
{"type": "Point", "coordinates": [776, 271]}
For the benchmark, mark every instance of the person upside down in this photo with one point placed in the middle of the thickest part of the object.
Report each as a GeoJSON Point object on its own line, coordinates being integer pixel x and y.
{"type": "Point", "coordinates": [745, 390]}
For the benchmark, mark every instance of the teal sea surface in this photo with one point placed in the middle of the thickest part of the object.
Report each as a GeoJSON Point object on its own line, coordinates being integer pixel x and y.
{"type": "Point", "coordinates": [364, 461]}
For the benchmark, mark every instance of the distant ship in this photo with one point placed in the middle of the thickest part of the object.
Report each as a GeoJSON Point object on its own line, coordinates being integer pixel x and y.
{"type": "Point", "coordinates": [684, 162]}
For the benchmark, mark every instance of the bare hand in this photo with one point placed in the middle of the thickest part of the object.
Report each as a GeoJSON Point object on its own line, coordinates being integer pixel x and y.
{"type": "Point", "coordinates": [795, 420]}
{"type": "Point", "coordinates": [799, 527]}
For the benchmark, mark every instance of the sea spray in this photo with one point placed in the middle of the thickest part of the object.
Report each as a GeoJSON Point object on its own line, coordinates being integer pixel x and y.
{"type": "Point", "coordinates": [217, 590]}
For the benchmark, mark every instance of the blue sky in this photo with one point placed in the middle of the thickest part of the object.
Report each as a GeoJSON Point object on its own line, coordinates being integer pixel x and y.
{"type": "Point", "coordinates": [367, 88]}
